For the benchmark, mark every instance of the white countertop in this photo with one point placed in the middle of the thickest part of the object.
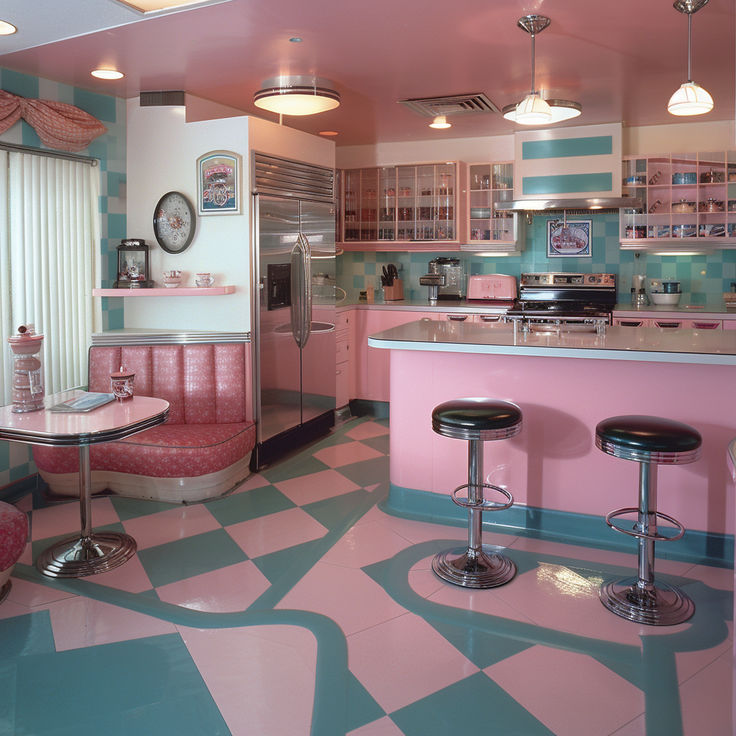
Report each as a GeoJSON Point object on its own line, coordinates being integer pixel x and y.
{"type": "Point", "coordinates": [715, 347]}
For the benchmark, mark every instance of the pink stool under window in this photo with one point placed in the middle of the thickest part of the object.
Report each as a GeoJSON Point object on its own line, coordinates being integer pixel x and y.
{"type": "Point", "coordinates": [13, 537]}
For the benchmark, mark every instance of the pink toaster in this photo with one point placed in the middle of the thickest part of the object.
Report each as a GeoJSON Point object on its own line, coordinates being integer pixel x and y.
{"type": "Point", "coordinates": [496, 286]}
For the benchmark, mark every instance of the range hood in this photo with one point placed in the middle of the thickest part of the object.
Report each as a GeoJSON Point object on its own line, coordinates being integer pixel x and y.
{"type": "Point", "coordinates": [563, 203]}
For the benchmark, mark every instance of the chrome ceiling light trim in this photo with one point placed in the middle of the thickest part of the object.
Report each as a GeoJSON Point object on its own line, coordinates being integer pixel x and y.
{"type": "Point", "coordinates": [689, 98]}
{"type": "Point", "coordinates": [297, 95]}
{"type": "Point", "coordinates": [533, 109]}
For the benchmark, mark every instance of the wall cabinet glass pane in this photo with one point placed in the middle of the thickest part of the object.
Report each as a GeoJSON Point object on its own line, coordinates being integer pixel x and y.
{"type": "Point", "coordinates": [490, 184]}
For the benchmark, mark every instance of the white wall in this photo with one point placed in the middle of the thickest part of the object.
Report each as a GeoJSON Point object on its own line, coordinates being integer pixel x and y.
{"type": "Point", "coordinates": [162, 152]}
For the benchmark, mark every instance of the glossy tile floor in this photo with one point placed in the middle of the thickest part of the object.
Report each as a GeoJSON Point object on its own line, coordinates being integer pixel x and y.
{"type": "Point", "coordinates": [296, 606]}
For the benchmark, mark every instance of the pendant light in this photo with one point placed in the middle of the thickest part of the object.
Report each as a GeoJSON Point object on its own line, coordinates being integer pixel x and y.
{"type": "Point", "coordinates": [532, 110]}
{"type": "Point", "coordinates": [690, 98]}
{"type": "Point", "coordinates": [297, 95]}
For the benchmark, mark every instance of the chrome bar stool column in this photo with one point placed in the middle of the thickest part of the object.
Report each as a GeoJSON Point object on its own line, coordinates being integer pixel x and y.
{"type": "Point", "coordinates": [477, 421]}
{"type": "Point", "coordinates": [650, 441]}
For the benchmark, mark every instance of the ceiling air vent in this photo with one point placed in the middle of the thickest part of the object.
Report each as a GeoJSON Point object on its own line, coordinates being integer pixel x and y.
{"type": "Point", "coordinates": [430, 107]}
{"type": "Point", "coordinates": [162, 99]}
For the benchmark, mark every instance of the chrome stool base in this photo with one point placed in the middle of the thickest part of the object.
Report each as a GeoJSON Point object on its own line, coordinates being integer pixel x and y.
{"type": "Point", "coordinates": [489, 569]}
{"type": "Point", "coordinates": [660, 605]}
{"type": "Point", "coordinates": [76, 557]}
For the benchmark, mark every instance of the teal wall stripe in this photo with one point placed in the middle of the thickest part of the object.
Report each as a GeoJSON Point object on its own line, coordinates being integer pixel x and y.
{"type": "Point", "coordinates": [566, 183]}
{"type": "Point", "coordinates": [565, 526]}
{"type": "Point", "coordinates": [600, 145]}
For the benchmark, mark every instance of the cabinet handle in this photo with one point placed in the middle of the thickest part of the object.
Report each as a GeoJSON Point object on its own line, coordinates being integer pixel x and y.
{"type": "Point", "coordinates": [668, 325]}
{"type": "Point", "coordinates": [626, 323]}
{"type": "Point", "coordinates": [705, 325]}
{"type": "Point", "coordinates": [490, 318]}
{"type": "Point", "coordinates": [457, 317]}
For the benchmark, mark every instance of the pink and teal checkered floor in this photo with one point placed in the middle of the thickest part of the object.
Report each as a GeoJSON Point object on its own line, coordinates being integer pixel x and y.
{"type": "Point", "coordinates": [296, 606]}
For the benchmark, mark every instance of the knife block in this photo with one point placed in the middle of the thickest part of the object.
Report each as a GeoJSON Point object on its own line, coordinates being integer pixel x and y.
{"type": "Point", "coordinates": [395, 292]}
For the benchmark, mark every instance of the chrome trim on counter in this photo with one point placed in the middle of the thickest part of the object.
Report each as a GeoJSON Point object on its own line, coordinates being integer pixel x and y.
{"type": "Point", "coordinates": [112, 339]}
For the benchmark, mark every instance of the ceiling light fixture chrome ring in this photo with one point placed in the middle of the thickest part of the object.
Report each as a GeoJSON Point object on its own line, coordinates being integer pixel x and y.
{"type": "Point", "coordinates": [534, 24]}
{"type": "Point", "coordinates": [689, 6]}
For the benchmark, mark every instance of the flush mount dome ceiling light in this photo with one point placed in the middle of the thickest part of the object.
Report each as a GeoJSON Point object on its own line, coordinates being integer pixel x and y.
{"type": "Point", "coordinates": [690, 98]}
{"type": "Point", "coordinates": [7, 29]}
{"type": "Point", "coordinates": [297, 95]}
{"type": "Point", "coordinates": [440, 121]}
{"type": "Point", "coordinates": [533, 110]}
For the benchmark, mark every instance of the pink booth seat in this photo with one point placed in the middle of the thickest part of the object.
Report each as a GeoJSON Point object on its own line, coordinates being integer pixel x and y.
{"type": "Point", "coordinates": [201, 452]}
{"type": "Point", "coordinates": [13, 537]}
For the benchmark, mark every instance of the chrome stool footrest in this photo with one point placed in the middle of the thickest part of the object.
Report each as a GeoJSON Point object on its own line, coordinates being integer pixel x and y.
{"type": "Point", "coordinates": [488, 569]}
{"type": "Point", "coordinates": [641, 535]}
{"type": "Point", "coordinates": [660, 605]}
{"type": "Point", "coordinates": [483, 504]}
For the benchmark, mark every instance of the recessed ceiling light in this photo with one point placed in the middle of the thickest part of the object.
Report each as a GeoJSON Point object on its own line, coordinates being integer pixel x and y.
{"type": "Point", "coordinates": [107, 74]}
{"type": "Point", "coordinates": [328, 132]}
{"type": "Point", "coordinates": [440, 121]}
{"type": "Point", "coordinates": [151, 6]}
{"type": "Point", "coordinates": [7, 29]}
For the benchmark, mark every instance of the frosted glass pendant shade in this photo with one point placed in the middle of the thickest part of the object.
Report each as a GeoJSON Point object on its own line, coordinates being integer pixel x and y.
{"type": "Point", "coordinates": [690, 99]}
{"type": "Point", "coordinates": [533, 110]}
{"type": "Point", "coordinates": [297, 95]}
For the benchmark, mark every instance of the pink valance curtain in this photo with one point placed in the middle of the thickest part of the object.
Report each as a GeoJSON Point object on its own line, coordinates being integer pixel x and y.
{"type": "Point", "coordinates": [59, 125]}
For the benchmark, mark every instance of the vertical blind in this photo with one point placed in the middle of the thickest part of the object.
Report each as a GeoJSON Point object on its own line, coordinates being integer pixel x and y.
{"type": "Point", "coordinates": [49, 262]}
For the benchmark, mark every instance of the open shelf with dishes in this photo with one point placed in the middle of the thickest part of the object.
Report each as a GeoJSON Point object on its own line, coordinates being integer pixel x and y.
{"type": "Point", "coordinates": [408, 204]}
{"type": "Point", "coordinates": [687, 199]}
{"type": "Point", "coordinates": [488, 227]}
{"type": "Point", "coordinates": [163, 291]}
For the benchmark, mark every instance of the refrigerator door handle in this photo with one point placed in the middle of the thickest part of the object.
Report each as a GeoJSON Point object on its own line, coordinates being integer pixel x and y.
{"type": "Point", "coordinates": [301, 290]}
{"type": "Point", "coordinates": [307, 303]}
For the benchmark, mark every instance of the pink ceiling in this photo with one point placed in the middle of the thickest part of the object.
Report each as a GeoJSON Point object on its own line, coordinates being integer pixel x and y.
{"type": "Point", "coordinates": [621, 60]}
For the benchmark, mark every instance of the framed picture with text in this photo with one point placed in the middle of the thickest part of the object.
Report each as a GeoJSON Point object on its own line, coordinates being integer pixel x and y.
{"type": "Point", "coordinates": [569, 239]}
{"type": "Point", "coordinates": [218, 183]}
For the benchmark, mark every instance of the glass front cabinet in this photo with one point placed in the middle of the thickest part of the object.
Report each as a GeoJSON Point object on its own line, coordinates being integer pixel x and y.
{"type": "Point", "coordinates": [413, 204]}
{"type": "Point", "coordinates": [489, 184]}
{"type": "Point", "coordinates": [686, 199]}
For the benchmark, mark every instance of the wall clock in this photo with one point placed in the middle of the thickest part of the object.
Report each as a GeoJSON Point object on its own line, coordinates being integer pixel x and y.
{"type": "Point", "coordinates": [174, 222]}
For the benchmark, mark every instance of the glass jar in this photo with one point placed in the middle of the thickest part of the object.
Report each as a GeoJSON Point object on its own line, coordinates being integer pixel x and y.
{"type": "Point", "coordinates": [121, 383]}
{"type": "Point", "coordinates": [28, 392]}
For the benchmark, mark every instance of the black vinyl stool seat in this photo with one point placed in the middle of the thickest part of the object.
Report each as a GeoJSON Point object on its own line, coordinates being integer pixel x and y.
{"type": "Point", "coordinates": [477, 421]}
{"type": "Point", "coordinates": [650, 441]}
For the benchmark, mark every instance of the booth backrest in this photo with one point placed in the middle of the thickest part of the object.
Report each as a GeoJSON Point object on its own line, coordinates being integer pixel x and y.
{"type": "Point", "coordinates": [203, 383]}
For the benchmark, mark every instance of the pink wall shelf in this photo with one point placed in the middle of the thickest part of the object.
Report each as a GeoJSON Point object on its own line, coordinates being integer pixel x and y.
{"type": "Point", "coordinates": [162, 291]}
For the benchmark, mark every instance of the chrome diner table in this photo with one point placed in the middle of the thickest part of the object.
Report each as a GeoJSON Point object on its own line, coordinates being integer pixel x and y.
{"type": "Point", "coordinates": [88, 552]}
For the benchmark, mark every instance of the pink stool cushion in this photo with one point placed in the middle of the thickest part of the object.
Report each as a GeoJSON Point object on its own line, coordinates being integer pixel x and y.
{"type": "Point", "coordinates": [13, 534]}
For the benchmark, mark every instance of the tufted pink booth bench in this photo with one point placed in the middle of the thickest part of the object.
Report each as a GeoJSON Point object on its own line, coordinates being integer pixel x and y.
{"type": "Point", "coordinates": [13, 537]}
{"type": "Point", "coordinates": [202, 451]}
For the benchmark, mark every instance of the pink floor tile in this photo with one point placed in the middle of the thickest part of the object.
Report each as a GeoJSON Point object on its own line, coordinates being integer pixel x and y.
{"type": "Point", "coordinates": [316, 486]}
{"type": "Point", "coordinates": [590, 700]}
{"type": "Point", "coordinates": [261, 678]}
{"type": "Point", "coordinates": [277, 531]}
{"type": "Point", "coordinates": [382, 727]}
{"type": "Point", "coordinates": [424, 582]}
{"type": "Point", "coordinates": [366, 430]}
{"type": "Point", "coordinates": [83, 622]}
{"type": "Point", "coordinates": [33, 595]}
{"type": "Point", "coordinates": [349, 597]}
{"type": "Point", "coordinates": [706, 699]}
{"type": "Point", "coordinates": [252, 481]}
{"type": "Point", "coordinates": [365, 544]}
{"type": "Point", "coordinates": [130, 577]}
{"type": "Point", "coordinates": [349, 452]}
{"type": "Point", "coordinates": [403, 660]}
{"type": "Point", "coordinates": [64, 518]}
{"type": "Point", "coordinates": [25, 503]}
{"type": "Point", "coordinates": [9, 609]}
{"type": "Point", "coordinates": [171, 525]}
{"type": "Point", "coordinates": [721, 578]}
{"type": "Point", "coordinates": [228, 589]}
{"type": "Point", "coordinates": [419, 531]}
{"type": "Point", "coordinates": [689, 663]}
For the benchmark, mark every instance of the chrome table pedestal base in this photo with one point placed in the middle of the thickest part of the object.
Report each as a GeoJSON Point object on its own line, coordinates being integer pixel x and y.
{"type": "Point", "coordinates": [662, 605]}
{"type": "Point", "coordinates": [4, 590]}
{"type": "Point", "coordinates": [487, 569]}
{"type": "Point", "coordinates": [76, 557]}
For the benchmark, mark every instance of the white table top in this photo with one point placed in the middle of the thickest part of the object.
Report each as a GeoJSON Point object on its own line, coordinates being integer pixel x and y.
{"type": "Point", "coordinates": [716, 347]}
{"type": "Point", "coordinates": [113, 421]}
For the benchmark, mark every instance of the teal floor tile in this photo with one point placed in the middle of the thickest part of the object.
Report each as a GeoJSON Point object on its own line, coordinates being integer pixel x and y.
{"type": "Point", "coordinates": [249, 505]}
{"type": "Point", "coordinates": [27, 634]}
{"type": "Point", "coordinates": [293, 467]}
{"type": "Point", "coordinates": [367, 472]}
{"type": "Point", "coordinates": [362, 708]}
{"type": "Point", "coordinates": [144, 686]}
{"type": "Point", "coordinates": [185, 558]}
{"type": "Point", "coordinates": [279, 566]}
{"type": "Point", "coordinates": [380, 443]}
{"type": "Point", "coordinates": [473, 705]}
{"type": "Point", "coordinates": [331, 512]}
{"type": "Point", "coordinates": [132, 508]}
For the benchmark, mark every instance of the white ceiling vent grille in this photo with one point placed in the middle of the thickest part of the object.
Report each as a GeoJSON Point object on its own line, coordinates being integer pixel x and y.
{"type": "Point", "coordinates": [430, 107]}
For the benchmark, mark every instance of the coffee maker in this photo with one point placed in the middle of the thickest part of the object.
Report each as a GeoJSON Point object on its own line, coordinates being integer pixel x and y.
{"type": "Point", "coordinates": [454, 281]}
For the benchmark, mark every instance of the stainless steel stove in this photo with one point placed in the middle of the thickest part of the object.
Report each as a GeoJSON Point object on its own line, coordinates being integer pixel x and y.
{"type": "Point", "coordinates": [569, 301]}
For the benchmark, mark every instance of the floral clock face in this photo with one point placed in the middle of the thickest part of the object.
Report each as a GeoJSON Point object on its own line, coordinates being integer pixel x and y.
{"type": "Point", "coordinates": [173, 222]}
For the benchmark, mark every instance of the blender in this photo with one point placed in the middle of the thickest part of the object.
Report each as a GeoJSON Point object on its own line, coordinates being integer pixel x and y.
{"type": "Point", "coordinates": [638, 291]}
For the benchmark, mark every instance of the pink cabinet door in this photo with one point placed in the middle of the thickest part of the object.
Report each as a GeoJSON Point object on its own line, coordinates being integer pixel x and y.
{"type": "Point", "coordinates": [631, 322]}
{"type": "Point", "coordinates": [729, 324]}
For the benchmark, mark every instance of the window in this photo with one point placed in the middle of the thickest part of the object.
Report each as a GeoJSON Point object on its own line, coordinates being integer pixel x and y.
{"type": "Point", "coordinates": [49, 261]}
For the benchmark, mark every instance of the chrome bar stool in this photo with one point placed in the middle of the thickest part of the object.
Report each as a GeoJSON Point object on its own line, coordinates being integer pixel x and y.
{"type": "Point", "coordinates": [650, 441]}
{"type": "Point", "coordinates": [478, 421]}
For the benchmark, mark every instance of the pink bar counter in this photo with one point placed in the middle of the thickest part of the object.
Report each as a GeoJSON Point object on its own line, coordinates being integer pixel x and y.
{"type": "Point", "coordinates": [565, 383]}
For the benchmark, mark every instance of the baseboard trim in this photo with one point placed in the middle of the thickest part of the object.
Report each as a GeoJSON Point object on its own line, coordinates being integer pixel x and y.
{"type": "Point", "coordinates": [363, 407]}
{"type": "Point", "coordinates": [586, 530]}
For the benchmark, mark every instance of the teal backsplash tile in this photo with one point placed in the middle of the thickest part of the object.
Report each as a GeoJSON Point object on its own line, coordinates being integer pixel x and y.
{"type": "Point", "coordinates": [19, 84]}
{"type": "Point", "coordinates": [101, 106]}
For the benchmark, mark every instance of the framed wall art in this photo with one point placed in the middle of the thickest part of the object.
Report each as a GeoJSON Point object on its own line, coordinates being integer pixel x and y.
{"type": "Point", "coordinates": [569, 239]}
{"type": "Point", "coordinates": [218, 183]}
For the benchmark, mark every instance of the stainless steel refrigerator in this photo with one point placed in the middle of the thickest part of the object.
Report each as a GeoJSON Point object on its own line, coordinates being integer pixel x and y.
{"type": "Point", "coordinates": [293, 315]}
